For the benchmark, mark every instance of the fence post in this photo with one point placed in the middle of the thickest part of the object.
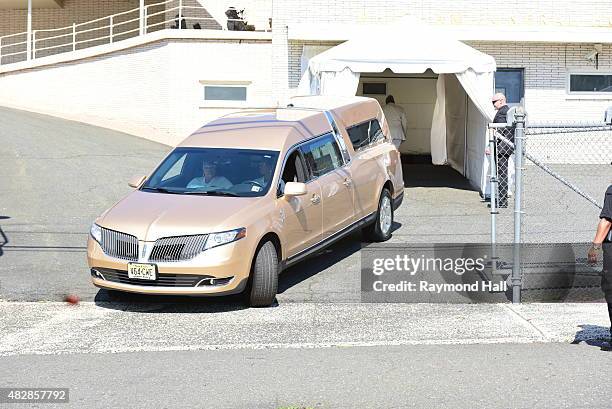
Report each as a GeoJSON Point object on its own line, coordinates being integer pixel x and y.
{"type": "Point", "coordinates": [141, 17]}
{"type": "Point", "coordinates": [110, 27]}
{"type": "Point", "coordinates": [180, 14]}
{"type": "Point", "coordinates": [0, 50]}
{"type": "Point", "coordinates": [73, 36]}
{"type": "Point", "coordinates": [492, 197]}
{"type": "Point", "coordinates": [145, 18]}
{"type": "Point", "coordinates": [519, 136]}
{"type": "Point", "coordinates": [34, 44]}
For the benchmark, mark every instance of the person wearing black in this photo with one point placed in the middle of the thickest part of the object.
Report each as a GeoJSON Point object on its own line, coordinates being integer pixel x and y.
{"type": "Point", "coordinates": [503, 150]}
{"type": "Point", "coordinates": [603, 240]}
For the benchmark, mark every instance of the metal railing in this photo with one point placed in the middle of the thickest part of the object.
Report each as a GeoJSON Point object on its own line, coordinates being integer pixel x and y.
{"type": "Point", "coordinates": [168, 14]}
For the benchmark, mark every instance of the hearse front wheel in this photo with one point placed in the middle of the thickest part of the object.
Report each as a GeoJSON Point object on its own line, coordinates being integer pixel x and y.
{"type": "Point", "coordinates": [264, 276]}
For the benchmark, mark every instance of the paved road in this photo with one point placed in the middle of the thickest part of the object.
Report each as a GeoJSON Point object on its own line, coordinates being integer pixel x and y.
{"type": "Point", "coordinates": [526, 376]}
{"type": "Point", "coordinates": [317, 355]}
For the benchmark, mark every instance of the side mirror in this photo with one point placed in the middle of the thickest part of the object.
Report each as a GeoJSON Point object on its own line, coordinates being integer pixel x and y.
{"type": "Point", "coordinates": [136, 181]}
{"type": "Point", "coordinates": [295, 189]}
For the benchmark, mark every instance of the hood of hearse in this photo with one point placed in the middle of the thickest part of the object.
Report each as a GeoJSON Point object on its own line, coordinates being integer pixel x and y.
{"type": "Point", "coordinates": [152, 215]}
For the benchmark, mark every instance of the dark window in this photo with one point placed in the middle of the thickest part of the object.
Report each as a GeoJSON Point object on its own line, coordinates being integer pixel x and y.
{"type": "Point", "coordinates": [509, 81]}
{"type": "Point", "coordinates": [374, 88]}
{"type": "Point", "coordinates": [364, 134]}
{"type": "Point", "coordinates": [322, 155]}
{"type": "Point", "coordinates": [222, 93]}
{"type": "Point", "coordinates": [590, 83]}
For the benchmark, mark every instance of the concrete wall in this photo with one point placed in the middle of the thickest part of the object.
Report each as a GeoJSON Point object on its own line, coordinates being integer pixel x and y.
{"type": "Point", "coordinates": [152, 90]}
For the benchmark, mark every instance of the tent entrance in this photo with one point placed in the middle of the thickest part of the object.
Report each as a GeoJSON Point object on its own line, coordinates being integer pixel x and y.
{"type": "Point", "coordinates": [458, 132]}
{"type": "Point", "coordinates": [417, 94]}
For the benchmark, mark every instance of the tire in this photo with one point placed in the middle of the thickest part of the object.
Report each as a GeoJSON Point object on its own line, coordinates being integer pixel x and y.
{"type": "Point", "coordinates": [264, 276]}
{"type": "Point", "coordinates": [380, 229]}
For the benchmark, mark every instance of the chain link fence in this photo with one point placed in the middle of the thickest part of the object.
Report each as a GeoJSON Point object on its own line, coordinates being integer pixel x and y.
{"type": "Point", "coordinates": [550, 204]}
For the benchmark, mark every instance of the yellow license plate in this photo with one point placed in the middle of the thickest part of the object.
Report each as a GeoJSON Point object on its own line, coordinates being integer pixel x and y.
{"type": "Point", "coordinates": [141, 271]}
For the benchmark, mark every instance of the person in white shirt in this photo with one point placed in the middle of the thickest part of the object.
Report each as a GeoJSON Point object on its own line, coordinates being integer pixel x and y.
{"type": "Point", "coordinates": [396, 119]}
{"type": "Point", "coordinates": [209, 179]}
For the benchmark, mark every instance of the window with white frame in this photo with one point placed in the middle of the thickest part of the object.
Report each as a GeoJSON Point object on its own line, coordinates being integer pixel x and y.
{"type": "Point", "coordinates": [227, 91]}
{"type": "Point", "coordinates": [590, 83]}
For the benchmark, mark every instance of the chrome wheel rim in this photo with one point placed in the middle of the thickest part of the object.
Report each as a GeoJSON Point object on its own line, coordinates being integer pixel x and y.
{"type": "Point", "coordinates": [385, 215]}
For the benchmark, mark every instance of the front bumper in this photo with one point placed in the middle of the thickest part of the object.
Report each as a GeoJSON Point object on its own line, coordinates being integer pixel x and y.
{"type": "Point", "coordinates": [228, 266]}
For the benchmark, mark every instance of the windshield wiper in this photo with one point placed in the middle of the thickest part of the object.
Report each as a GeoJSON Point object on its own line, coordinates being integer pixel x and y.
{"type": "Point", "coordinates": [211, 193]}
{"type": "Point", "coordinates": [162, 190]}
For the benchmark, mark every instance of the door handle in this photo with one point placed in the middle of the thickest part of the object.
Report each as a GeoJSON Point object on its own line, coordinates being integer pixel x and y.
{"type": "Point", "coordinates": [315, 199]}
{"type": "Point", "coordinates": [347, 182]}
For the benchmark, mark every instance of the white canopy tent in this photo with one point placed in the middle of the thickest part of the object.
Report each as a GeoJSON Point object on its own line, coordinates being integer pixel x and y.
{"type": "Point", "coordinates": [458, 131]}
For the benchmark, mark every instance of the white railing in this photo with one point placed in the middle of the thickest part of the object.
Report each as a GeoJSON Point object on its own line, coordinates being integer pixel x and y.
{"type": "Point", "coordinates": [107, 30]}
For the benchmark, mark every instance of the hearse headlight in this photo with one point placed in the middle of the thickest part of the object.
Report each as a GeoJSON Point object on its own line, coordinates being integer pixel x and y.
{"type": "Point", "coordinates": [225, 237]}
{"type": "Point", "coordinates": [96, 232]}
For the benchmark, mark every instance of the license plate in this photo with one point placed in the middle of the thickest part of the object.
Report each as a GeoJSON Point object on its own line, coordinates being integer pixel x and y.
{"type": "Point", "coordinates": [141, 271]}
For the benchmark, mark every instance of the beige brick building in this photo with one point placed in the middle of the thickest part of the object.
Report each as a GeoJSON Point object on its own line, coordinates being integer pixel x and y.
{"type": "Point", "coordinates": [555, 57]}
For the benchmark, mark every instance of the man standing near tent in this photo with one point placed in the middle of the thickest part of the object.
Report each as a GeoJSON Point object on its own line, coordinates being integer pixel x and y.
{"type": "Point", "coordinates": [396, 119]}
{"type": "Point", "coordinates": [503, 149]}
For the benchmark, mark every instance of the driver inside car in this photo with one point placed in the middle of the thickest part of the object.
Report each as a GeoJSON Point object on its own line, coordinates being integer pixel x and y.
{"type": "Point", "coordinates": [266, 170]}
{"type": "Point", "coordinates": [209, 179]}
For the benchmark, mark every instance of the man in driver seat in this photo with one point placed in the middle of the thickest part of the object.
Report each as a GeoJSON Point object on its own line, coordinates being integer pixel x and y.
{"type": "Point", "coordinates": [209, 179]}
{"type": "Point", "coordinates": [266, 172]}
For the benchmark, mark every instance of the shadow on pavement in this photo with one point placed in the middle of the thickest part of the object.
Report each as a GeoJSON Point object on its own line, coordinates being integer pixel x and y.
{"type": "Point", "coordinates": [322, 260]}
{"type": "Point", "coordinates": [131, 302]}
{"type": "Point", "coordinates": [594, 335]}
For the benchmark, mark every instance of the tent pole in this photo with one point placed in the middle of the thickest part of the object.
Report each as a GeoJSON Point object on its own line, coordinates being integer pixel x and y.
{"type": "Point", "coordinates": [465, 125]}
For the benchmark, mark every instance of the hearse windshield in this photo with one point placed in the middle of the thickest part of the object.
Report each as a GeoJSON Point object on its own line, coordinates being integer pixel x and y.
{"type": "Point", "coordinates": [214, 172]}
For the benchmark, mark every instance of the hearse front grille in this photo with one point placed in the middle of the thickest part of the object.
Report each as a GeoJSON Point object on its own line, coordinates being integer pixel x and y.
{"type": "Point", "coordinates": [177, 248]}
{"type": "Point", "coordinates": [119, 245]}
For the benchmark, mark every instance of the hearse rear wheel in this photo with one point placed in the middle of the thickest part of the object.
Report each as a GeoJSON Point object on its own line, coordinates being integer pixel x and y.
{"type": "Point", "coordinates": [380, 229]}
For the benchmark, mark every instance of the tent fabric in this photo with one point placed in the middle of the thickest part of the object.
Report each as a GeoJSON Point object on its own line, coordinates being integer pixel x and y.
{"type": "Point", "coordinates": [456, 101]}
{"type": "Point", "coordinates": [342, 83]}
{"type": "Point", "coordinates": [405, 48]}
{"type": "Point", "coordinates": [438, 124]}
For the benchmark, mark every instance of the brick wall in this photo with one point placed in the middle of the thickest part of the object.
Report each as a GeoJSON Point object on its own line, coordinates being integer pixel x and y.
{"type": "Point", "coordinates": [152, 90]}
{"type": "Point", "coordinates": [469, 12]}
{"type": "Point", "coordinates": [546, 68]}
{"type": "Point", "coordinates": [295, 55]}
{"type": "Point", "coordinates": [74, 11]}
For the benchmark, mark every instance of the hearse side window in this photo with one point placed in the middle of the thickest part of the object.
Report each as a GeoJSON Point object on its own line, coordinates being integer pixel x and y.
{"type": "Point", "coordinates": [365, 134]}
{"type": "Point", "coordinates": [322, 155]}
{"type": "Point", "coordinates": [294, 171]}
